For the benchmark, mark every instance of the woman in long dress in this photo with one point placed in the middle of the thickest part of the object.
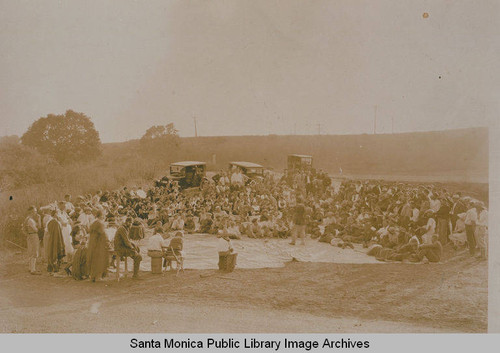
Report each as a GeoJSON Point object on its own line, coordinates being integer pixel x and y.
{"type": "Point", "coordinates": [66, 231]}
{"type": "Point", "coordinates": [97, 253]}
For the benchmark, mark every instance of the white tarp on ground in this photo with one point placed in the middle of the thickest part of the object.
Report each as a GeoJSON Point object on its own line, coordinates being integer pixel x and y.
{"type": "Point", "coordinates": [201, 253]}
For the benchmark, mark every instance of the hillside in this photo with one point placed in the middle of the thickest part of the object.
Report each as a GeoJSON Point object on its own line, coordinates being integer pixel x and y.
{"type": "Point", "coordinates": [453, 155]}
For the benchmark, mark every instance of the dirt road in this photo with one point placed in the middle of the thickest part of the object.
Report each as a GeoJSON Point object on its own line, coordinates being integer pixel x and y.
{"type": "Point", "coordinates": [300, 297]}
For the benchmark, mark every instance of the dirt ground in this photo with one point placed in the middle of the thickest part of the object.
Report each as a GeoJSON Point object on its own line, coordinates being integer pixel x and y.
{"type": "Point", "coordinates": [300, 297]}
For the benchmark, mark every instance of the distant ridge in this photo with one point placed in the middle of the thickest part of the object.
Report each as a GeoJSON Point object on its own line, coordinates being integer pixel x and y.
{"type": "Point", "coordinates": [448, 155]}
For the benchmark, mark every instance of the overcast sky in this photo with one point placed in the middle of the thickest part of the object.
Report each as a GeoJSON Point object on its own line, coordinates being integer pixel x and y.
{"type": "Point", "coordinates": [250, 67]}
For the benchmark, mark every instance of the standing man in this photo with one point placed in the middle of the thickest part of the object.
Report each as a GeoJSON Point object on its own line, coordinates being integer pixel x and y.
{"type": "Point", "coordinates": [125, 248]}
{"type": "Point", "coordinates": [299, 220]}
{"type": "Point", "coordinates": [482, 232]}
{"type": "Point", "coordinates": [54, 243]}
{"type": "Point", "coordinates": [457, 208]}
{"type": "Point", "coordinates": [470, 228]}
{"type": "Point", "coordinates": [97, 253]}
{"type": "Point", "coordinates": [31, 225]}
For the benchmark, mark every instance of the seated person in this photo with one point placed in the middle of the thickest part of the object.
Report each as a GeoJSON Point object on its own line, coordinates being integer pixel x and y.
{"type": "Point", "coordinates": [158, 240]}
{"type": "Point", "coordinates": [227, 256]}
{"type": "Point", "coordinates": [408, 251]}
{"type": "Point", "coordinates": [190, 225]}
{"type": "Point", "coordinates": [459, 237]}
{"type": "Point", "coordinates": [125, 248]}
{"type": "Point", "coordinates": [281, 230]}
{"type": "Point", "coordinates": [431, 252]}
{"type": "Point", "coordinates": [178, 223]}
{"type": "Point", "coordinates": [174, 249]}
{"type": "Point", "coordinates": [136, 230]}
{"type": "Point", "coordinates": [233, 230]}
{"type": "Point", "coordinates": [255, 230]}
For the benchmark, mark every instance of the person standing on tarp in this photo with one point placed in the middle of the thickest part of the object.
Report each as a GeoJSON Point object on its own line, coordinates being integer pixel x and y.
{"type": "Point", "coordinates": [299, 221]}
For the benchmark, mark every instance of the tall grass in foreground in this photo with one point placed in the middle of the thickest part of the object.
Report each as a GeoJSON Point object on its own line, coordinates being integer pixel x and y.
{"type": "Point", "coordinates": [77, 179]}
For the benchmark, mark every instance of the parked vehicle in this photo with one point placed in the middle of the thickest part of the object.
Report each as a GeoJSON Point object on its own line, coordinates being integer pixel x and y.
{"type": "Point", "coordinates": [188, 174]}
{"type": "Point", "coordinates": [297, 162]}
{"type": "Point", "coordinates": [251, 170]}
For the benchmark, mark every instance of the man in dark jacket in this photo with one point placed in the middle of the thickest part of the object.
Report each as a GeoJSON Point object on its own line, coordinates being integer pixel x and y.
{"type": "Point", "coordinates": [125, 248]}
{"type": "Point", "coordinates": [299, 220]}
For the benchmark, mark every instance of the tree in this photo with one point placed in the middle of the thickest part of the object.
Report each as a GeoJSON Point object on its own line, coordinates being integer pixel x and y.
{"type": "Point", "coordinates": [68, 138]}
{"type": "Point", "coordinates": [160, 141]}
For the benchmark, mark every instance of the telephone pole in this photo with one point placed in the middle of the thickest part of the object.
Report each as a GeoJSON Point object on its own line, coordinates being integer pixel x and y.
{"type": "Point", "coordinates": [319, 129]}
{"type": "Point", "coordinates": [195, 127]}
{"type": "Point", "coordinates": [375, 122]}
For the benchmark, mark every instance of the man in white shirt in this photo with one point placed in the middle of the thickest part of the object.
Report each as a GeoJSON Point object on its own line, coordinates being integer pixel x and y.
{"type": "Point", "coordinates": [157, 240]}
{"type": "Point", "coordinates": [470, 228]}
{"type": "Point", "coordinates": [227, 256]}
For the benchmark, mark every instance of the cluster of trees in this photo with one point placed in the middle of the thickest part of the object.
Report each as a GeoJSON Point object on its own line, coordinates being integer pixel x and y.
{"type": "Point", "coordinates": [57, 141]}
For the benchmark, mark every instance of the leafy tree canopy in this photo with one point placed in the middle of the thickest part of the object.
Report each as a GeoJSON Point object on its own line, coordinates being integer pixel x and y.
{"type": "Point", "coordinates": [68, 138]}
{"type": "Point", "coordinates": [165, 132]}
{"type": "Point", "coordinates": [160, 142]}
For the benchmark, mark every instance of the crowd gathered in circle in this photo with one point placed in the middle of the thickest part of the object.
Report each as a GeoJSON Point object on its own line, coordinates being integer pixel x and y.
{"type": "Point", "coordinates": [393, 221]}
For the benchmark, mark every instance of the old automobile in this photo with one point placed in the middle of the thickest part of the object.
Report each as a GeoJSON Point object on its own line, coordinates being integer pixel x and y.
{"type": "Point", "coordinates": [187, 174]}
{"type": "Point", "coordinates": [297, 162]}
{"type": "Point", "coordinates": [251, 170]}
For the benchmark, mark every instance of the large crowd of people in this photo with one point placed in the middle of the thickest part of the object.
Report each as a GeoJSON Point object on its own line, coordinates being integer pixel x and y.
{"type": "Point", "coordinates": [392, 221]}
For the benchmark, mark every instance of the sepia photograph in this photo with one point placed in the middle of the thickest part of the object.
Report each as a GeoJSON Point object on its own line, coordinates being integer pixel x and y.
{"type": "Point", "coordinates": [238, 167]}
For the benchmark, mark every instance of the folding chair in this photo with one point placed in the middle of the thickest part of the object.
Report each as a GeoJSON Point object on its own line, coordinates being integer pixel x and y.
{"type": "Point", "coordinates": [172, 255]}
{"type": "Point", "coordinates": [118, 261]}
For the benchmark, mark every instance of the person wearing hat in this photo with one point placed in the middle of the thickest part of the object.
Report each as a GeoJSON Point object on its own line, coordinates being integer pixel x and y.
{"type": "Point", "coordinates": [125, 248]}
{"type": "Point", "coordinates": [30, 226]}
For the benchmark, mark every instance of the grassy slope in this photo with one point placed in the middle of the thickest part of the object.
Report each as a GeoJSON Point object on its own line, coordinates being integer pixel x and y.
{"type": "Point", "coordinates": [455, 154]}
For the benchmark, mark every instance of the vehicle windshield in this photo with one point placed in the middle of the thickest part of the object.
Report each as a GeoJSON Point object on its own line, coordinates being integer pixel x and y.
{"type": "Point", "coordinates": [176, 169]}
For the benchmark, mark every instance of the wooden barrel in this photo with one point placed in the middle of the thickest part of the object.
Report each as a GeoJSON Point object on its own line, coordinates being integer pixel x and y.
{"type": "Point", "coordinates": [227, 262]}
{"type": "Point", "coordinates": [156, 261]}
